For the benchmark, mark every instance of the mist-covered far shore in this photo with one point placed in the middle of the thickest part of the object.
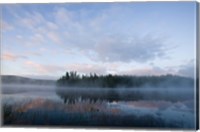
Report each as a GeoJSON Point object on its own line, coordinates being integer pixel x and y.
{"type": "Point", "coordinates": [74, 79]}
{"type": "Point", "coordinates": [16, 80]}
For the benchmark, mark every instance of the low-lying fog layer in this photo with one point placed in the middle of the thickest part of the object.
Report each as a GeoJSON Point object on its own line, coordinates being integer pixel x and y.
{"type": "Point", "coordinates": [109, 94]}
{"type": "Point", "coordinates": [127, 95]}
{"type": "Point", "coordinates": [171, 105]}
{"type": "Point", "coordinates": [17, 88]}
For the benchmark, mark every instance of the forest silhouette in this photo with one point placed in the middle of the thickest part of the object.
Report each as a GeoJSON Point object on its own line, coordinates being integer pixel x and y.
{"type": "Point", "coordinates": [73, 79]}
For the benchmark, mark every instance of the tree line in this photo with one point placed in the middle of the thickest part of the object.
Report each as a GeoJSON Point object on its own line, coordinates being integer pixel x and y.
{"type": "Point", "coordinates": [73, 79]}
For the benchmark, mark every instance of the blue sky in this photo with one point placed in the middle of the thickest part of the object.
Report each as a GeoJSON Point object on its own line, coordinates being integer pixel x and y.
{"type": "Point", "coordinates": [139, 38]}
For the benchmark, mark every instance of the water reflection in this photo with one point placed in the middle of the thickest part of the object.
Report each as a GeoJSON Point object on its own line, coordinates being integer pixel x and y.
{"type": "Point", "coordinates": [64, 106]}
{"type": "Point", "coordinates": [70, 95]}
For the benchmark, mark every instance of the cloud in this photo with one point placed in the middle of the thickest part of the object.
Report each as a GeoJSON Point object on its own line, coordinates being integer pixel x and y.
{"type": "Point", "coordinates": [6, 26]}
{"type": "Point", "coordinates": [144, 71]}
{"type": "Point", "coordinates": [92, 37]}
{"type": "Point", "coordinates": [54, 37]}
{"type": "Point", "coordinates": [99, 44]}
{"type": "Point", "coordinates": [138, 50]}
{"type": "Point", "coordinates": [31, 20]}
{"type": "Point", "coordinates": [23, 17]}
{"type": "Point", "coordinates": [37, 39]}
{"type": "Point", "coordinates": [100, 37]}
{"type": "Point", "coordinates": [187, 69]}
{"type": "Point", "coordinates": [52, 25]}
{"type": "Point", "coordinates": [62, 15]}
{"type": "Point", "coordinates": [24, 41]}
{"type": "Point", "coordinates": [87, 68]}
{"type": "Point", "coordinates": [12, 57]}
{"type": "Point", "coordinates": [81, 68]}
{"type": "Point", "coordinates": [32, 53]}
{"type": "Point", "coordinates": [36, 66]}
{"type": "Point", "coordinates": [40, 28]}
{"type": "Point", "coordinates": [43, 69]}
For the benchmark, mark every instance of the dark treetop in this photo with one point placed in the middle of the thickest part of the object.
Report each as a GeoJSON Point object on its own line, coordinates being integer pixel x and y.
{"type": "Point", "coordinates": [73, 79]}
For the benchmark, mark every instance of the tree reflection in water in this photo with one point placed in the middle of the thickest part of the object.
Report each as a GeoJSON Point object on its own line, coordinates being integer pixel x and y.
{"type": "Point", "coordinates": [72, 95]}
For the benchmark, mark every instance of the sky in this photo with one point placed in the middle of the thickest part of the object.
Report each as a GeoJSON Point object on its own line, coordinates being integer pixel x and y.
{"type": "Point", "coordinates": [138, 38]}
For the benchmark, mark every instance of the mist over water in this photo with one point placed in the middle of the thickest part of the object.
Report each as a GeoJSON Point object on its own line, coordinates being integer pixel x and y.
{"type": "Point", "coordinates": [17, 88]}
{"type": "Point", "coordinates": [170, 104]}
{"type": "Point", "coordinates": [109, 94]}
{"type": "Point", "coordinates": [126, 94]}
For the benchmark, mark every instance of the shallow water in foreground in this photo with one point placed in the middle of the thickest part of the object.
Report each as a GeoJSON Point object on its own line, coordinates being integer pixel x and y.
{"type": "Point", "coordinates": [171, 108]}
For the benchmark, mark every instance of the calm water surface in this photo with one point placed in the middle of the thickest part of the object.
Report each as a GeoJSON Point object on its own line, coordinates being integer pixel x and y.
{"type": "Point", "coordinates": [174, 106]}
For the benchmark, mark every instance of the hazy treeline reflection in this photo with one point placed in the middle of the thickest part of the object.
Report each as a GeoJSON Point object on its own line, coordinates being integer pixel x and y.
{"type": "Point", "coordinates": [70, 95]}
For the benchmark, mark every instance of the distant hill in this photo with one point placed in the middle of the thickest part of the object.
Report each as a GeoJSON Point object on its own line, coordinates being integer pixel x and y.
{"type": "Point", "coordinates": [12, 79]}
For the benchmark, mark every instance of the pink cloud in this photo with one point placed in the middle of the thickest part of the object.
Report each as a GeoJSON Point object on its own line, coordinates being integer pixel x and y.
{"type": "Point", "coordinates": [43, 69]}
{"type": "Point", "coordinates": [36, 66]}
{"type": "Point", "coordinates": [12, 57]}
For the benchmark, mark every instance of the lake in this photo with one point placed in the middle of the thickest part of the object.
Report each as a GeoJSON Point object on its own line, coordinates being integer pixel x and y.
{"type": "Point", "coordinates": [36, 105]}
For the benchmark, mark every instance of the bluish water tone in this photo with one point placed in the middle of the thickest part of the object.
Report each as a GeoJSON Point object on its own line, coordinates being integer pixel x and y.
{"type": "Point", "coordinates": [131, 107]}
